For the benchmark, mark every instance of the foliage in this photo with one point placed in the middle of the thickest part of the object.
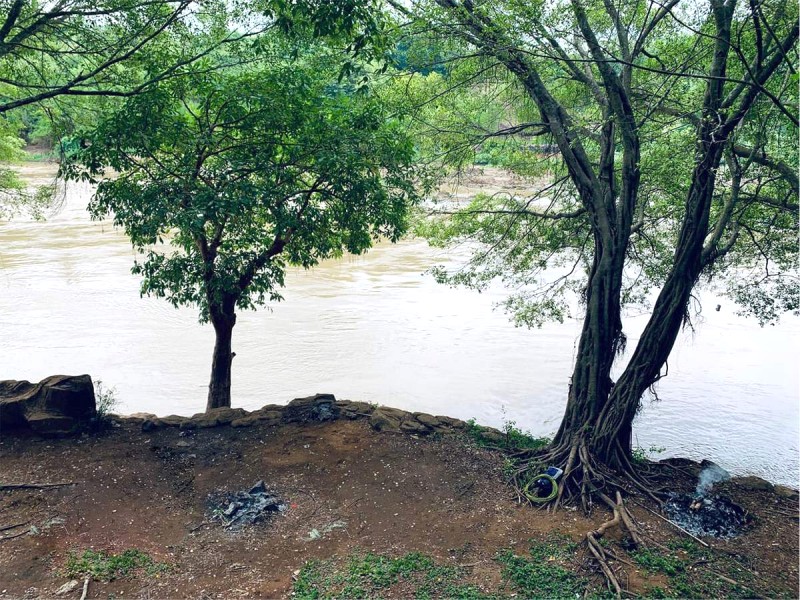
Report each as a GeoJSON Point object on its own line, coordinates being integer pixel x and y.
{"type": "Point", "coordinates": [684, 579]}
{"type": "Point", "coordinates": [514, 439]}
{"type": "Point", "coordinates": [545, 261]}
{"type": "Point", "coordinates": [96, 48]}
{"type": "Point", "coordinates": [15, 198]}
{"type": "Point", "coordinates": [107, 566]}
{"type": "Point", "coordinates": [641, 455]}
{"type": "Point", "coordinates": [657, 150]}
{"type": "Point", "coordinates": [228, 176]}
{"type": "Point", "coordinates": [656, 562]}
{"type": "Point", "coordinates": [297, 158]}
{"type": "Point", "coordinates": [105, 402]}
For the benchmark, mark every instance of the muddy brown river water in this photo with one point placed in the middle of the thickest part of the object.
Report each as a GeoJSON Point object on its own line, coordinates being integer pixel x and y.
{"type": "Point", "coordinates": [376, 328]}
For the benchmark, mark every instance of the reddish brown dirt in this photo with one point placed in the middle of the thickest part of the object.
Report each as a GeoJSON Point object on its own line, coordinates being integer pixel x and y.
{"type": "Point", "coordinates": [396, 493]}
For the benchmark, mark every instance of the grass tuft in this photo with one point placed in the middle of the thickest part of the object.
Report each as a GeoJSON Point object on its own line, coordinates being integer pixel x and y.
{"type": "Point", "coordinates": [106, 566]}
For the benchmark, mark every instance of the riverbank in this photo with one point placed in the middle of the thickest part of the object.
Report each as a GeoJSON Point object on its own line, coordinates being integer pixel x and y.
{"type": "Point", "coordinates": [371, 508]}
{"type": "Point", "coordinates": [731, 394]}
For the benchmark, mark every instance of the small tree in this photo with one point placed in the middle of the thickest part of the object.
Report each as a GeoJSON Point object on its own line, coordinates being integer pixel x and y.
{"type": "Point", "coordinates": [228, 177]}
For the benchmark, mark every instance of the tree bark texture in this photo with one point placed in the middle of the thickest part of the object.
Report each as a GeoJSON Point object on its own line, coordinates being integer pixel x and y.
{"type": "Point", "coordinates": [219, 388]}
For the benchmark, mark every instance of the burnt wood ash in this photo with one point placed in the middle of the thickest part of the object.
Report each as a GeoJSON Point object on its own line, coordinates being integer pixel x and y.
{"type": "Point", "coordinates": [239, 509]}
{"type": "Point", "coordinates": [714, 516]}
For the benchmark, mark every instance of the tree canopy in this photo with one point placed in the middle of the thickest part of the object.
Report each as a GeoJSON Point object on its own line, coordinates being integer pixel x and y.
{"type": "Point", "coordinates": [227, 177]}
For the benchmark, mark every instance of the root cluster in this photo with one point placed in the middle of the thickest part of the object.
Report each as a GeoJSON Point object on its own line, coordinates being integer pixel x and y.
{"type": "Point", "coordinates": [591, 482]}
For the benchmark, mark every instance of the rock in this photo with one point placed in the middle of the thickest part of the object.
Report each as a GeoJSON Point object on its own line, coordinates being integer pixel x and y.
{"type": "Point", "coordinates": [451, 422]}
{"type": "Point", "coordinates": [226, 415]}
{"type": "Point", "coordinates": [428, 420]}
{"type": "Point", "coordinates": [172, 421]}
{"type": "Point", "coordinates": [259, 488]}
{"type": "Point", "coordinates": [319, 407]}
{"type": "Point", "coordinates": [150, 424]}
{"type": "Point", "coordinates": [414, 426]}
{"type": "Point", "coordinates": [490, 434]}
{"type": "Point", "coordinates": [217, 416]}
{"type": "Point", "coordinates": [269, 417]}
{"type": "Point", "coordinates": [384, 418]}
{"type": "Point", "coordinates": [355, 410]}
{"type": "Point", "coordinates": [49, 424]}
{"type": "Point", "coordinates": [189, 424]}
{"type": "Point", "coordinates": [205, 421]}
{"type": "Point", "coordinates": [67, 587]}
{"type": "Point", "coordinates": [141, 416]}
{"type": "Point", "coordinates": [134, 419]}
{"type": "Point", "coordinates": [754, 483]}
{"type": "Point", "coordinates": [56, 406]}
{"type": "Point", "coordinates": [786, 492]}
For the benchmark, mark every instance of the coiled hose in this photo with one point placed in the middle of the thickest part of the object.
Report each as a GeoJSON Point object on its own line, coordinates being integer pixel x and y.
{"type": "Point", "coordinates": [540, 499]}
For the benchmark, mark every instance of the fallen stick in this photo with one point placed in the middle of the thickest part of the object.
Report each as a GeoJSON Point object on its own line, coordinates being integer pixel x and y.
{"type": "Point", "coordinates": [7, 527]}
{"type": "Point", "coordinates": [33, 486]}
{"type": "Point", "coordinates": [85, 588]}
{"type": "Point", "coordinates": [728, 579]}
{"type": "Point", "coordinates": [676, 526]}
{"type": "Point", "coordinates": [16, 535]}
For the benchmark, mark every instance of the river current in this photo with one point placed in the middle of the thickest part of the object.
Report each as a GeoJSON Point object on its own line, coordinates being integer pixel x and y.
{"type": "Point", "coordinates": [377, 328]}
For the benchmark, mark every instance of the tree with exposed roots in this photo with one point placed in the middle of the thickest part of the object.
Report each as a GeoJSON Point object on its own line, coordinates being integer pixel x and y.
{"type": "Point", "coordinates": [662, 141]}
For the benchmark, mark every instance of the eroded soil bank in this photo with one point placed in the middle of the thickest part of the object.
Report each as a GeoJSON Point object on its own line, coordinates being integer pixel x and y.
{"type": "Point", "coordinates": [396, 514]}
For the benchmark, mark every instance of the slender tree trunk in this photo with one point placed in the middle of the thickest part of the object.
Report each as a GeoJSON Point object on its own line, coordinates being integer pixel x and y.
{"type": "Point", "coordinates": [219, 388]}
{"type": "Point", "coordinates": [669, 312]}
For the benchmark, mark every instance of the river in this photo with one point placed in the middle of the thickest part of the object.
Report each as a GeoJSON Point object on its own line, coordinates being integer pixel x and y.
{"type": "Point", "coordinates": [376, 328]}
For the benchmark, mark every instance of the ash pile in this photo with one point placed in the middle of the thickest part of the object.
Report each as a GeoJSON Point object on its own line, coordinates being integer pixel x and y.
{"type": "Point", "coordinates": [706, 514]}
{"type": "Point", "coordinates": [239, 509]}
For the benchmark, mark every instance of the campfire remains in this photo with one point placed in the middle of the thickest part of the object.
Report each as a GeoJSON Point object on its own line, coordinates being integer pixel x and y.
{"type": "Point", "coordinates": [704, 514]}
{"type": "Point", "coordinates": [237, 509]}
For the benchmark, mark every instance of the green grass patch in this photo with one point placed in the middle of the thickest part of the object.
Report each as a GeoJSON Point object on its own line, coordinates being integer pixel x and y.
{"type": "Point", "coordinates": [372, 575]}
{"type": "Point", "coordinates": [106, 566]}
{"type": "Point", "coordinates": [656, 562]}
{"type": "Point", "coordinates": [545, 572]}
{"type": "Point", "coordinates": [694, 572]}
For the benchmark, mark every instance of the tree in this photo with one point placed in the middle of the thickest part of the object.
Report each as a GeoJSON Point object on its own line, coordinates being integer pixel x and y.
{"type": "Point", "coordinates": [675, 126]}
{"type": "Point", "coordinates": [225, 178]}
{"type": "Point", "coordinates": [81, 47]}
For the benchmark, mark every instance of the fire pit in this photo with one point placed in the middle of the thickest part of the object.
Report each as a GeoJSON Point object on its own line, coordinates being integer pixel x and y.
{"type": "Point", "coordinates": [714, 516]}
{"type": "Point", "coordinates": [703, 514]}
{"type": "Point", "coordinates": [235, 510]}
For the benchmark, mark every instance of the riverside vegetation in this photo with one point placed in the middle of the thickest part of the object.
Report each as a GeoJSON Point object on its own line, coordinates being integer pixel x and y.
{"type": "Point", "coordinates": [658, 143]}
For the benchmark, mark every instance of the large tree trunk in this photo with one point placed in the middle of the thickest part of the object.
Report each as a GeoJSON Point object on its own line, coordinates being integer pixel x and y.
{"type": "Point", "coordinates": [601, 338]}
{"type": "Point", "coordinates": [219, 388]}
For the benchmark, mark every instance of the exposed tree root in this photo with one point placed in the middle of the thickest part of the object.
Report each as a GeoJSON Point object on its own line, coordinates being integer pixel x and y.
{"type": "Point", "coordinates": [621, 519]}
{"type": "Point", "coordinates": [599, 554]}
{"type": "Point", "coordinates": [584, 480]}
{"type": "Point", "coordinates": [591, 482]}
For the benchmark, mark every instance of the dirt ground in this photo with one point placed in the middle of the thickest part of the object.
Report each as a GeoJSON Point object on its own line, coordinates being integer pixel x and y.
{"type": "Point", "coordinates": [441, 495]}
